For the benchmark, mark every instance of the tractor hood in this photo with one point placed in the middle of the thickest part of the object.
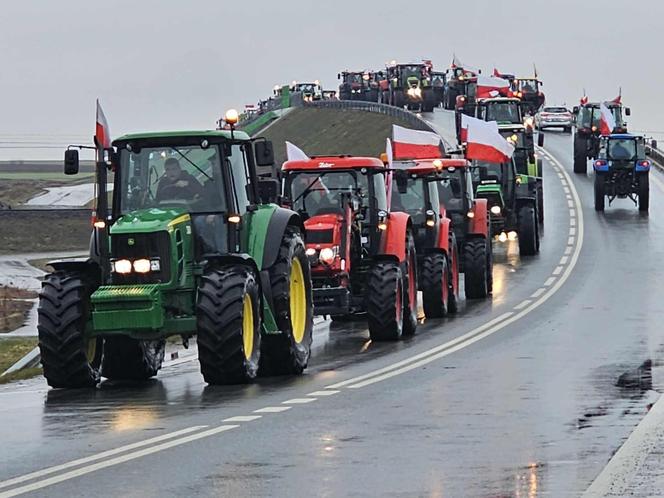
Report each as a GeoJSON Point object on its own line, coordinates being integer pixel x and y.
{"type": "Point", "coordinates": [323, 229]}
{"type": "Point", "coordinates": [149, 220]}
{"type": "Point", "coordinates": [492, 192]}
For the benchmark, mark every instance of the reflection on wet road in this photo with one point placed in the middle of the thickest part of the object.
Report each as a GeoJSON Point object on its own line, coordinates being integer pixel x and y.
{"type": "Point", "coordinates": [536, 409]}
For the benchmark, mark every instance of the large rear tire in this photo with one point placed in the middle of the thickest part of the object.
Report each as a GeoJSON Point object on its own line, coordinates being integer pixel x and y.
{"type": "Point", "coordinates": [580, 162]}
{"type": "Point", "coordinates": [453, 268]}
{"type": "Point", "coordinates": [385, 302]}
{"type": "Point", "coordinates": [435, 285]}
{"type": "Point", "coordinates": [228, 314]}
{"type": "Point", "coordinates": [288, 353]}
{"type": "Point", "coordinates": [475, 268]}
{"type": "Point", "coordinates": [644, 192]}
{"type": "Point", "coordinates": [70, 360]}
{"type": "Point", "coordinates": [528, 236]}
{"type": "Point", "coordinates": [129, 359]}
{"type": "Point", "coordinates": [600, 192]}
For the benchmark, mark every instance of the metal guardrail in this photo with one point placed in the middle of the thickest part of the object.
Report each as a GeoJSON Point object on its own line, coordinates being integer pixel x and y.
{"type": "Point", "coordinates": [656, 155]}
{"type": "Point", "coordinates": [388, 110]}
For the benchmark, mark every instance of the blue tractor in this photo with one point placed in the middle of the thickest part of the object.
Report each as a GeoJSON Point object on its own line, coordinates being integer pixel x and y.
{"type": "Point", "coordinates": [621, 170]}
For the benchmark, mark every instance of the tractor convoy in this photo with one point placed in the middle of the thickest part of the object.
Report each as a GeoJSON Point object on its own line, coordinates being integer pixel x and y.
{"type": "Point", "coordinates": [193, 242]}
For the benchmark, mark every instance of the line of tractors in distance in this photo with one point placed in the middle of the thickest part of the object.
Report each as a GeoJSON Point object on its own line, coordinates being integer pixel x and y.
{"type": "Point", "coordinates": [204, 235]}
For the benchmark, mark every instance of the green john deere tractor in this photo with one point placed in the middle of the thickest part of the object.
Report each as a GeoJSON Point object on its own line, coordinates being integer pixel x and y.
{"type": "Point", "coordinates": [187, 247]}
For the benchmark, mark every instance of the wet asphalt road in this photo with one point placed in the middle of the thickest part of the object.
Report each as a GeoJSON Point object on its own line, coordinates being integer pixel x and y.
{"type": "Point", "coordinates": [530, 410]}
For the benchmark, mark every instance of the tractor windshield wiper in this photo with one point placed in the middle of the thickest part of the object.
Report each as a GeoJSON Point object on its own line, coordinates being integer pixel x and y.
{"type": "Point", "coordinates": [308, 188]}
{"type": "Point", "coordinates": [183, 156]}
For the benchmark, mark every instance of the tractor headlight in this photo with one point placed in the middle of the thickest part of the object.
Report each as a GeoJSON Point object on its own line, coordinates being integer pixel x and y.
{"type": "Point", "coordinates": [470, 214]}
{"type": "Point", "coordinates": [155, 265]}
{"type": "Point", "coordinates": [430, 218]}
{"type": "Point", "coordinates": [327, 255]}
{"type": "Point", "coordinates": [495, 209]}
{"type": "Point", "coordinates": [141, 266]}
{"type": "Point", "coordinates": [122, 266]}
{"type": "Point", "coordinates": [310, 251]}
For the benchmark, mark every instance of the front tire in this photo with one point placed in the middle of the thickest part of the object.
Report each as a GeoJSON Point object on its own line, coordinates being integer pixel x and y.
{"type": "Point", "coordinates": [435, 285]}
{"type": "Point", "coordinates": [288, 353]}
{"type": "Point", "coordinates": [475, 266]}
{"type": "Point", "coordinates": [528, 236]}
{"type": "Point", "coordinates": [580, 162]}
{"type": "Point", "coordinates": [644, 192]}
{"type": "Point", "coordinates": [70, 360]}
{"type": "Point", "coordinates": [384, 302]}
{"type": "Point", "coordinates": [129, 359]}
{"type": "Point", "coordinates": [228, 325]}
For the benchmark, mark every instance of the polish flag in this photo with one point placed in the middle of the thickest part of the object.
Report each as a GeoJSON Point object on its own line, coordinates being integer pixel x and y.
{"type": "Point", "coordinates": [294, 153]}
{"type": "Point", "coordinates": [102, 130]}
{"type": "Point", "coordinates": [617, 100]}
{"type": "Point", "coordinates": [456, 62]}
{"type": "Point", "coordinates": [415, 144]}
{"type": "Point", "coordinates": [492, 86]}
{"type": "Point", "coordinates": [389, 175]}
{"type": "Point", "coordinates": [485, 143]}
{"type": "Point", "coordinates": [583, 100]}
{"type": "Point", "coordinates": [606, 121]}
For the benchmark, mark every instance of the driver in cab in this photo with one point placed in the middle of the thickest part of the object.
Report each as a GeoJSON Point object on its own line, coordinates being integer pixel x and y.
{"type": "Point", "coordinates": [176, 183]}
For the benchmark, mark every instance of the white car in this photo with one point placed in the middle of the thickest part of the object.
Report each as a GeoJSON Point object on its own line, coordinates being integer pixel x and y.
{"type": "Point", "coordinates": [554, 117]}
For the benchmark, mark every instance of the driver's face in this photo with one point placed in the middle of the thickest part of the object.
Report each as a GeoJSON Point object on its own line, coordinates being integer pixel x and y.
{"type": "Point", "coordinates": [172, 171]}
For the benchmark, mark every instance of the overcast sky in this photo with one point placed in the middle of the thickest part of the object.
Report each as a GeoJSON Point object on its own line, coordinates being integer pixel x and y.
{"type": "Point", "coordinates": [179, 64]}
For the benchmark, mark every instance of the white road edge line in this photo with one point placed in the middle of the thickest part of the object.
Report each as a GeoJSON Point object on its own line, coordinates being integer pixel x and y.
{"type": "Point", "coordinates": [549, 281]}
{"type": "Point", "coordinates": [522, 304]}
{"type": "Point", "coordinates": [115, 461]}
{"type": "Point", "coordinates": [273, 409]}
{"type": "Point", "coordinates": [482, 331]}
{"type": "Point", "coordinates": [329, 392]}
{"type": "Point", "coordinates": [98, 456]}
{"type": "Point", "coordinates": [298, 401]}
{"type": "Point", "coordinates": [243, 418]}
{"type": "Point", "coordinates": [538, 292]}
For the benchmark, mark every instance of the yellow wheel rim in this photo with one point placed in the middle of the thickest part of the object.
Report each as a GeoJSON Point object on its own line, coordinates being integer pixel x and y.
{"type": "Point", "coordinates": [298, 301]}
{"type": "Point", "coordinates": [91, 349]}
{"type": "Point", "coordinates": [248, 326]}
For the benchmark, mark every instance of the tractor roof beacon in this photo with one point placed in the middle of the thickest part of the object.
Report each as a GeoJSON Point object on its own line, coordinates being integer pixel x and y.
{"type": "Point", "coordinates": [363, 256]}
{"type": "Point", "coordinates": [186, 248]}
{"type": "Point", "coordinates": [622, 170]}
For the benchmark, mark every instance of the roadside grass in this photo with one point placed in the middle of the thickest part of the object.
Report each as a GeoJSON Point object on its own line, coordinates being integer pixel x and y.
{"type": "Point", "coordinates": [13, 349]}
{"type": "Point", "coordinates": [14, 307]}
{"type": "Point", "coordinates": [44, 232]}
{"type": "Point", "coordinates": [36, 175]}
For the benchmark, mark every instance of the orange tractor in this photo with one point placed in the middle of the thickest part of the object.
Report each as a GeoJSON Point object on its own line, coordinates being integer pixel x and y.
{"type": "Point", "coordinates": [362, 255]}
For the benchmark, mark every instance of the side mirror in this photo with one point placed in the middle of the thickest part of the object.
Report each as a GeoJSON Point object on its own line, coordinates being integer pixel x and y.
{"type": "Point", "coordinates": [540, 139]}
{"type": "Point", "coordinates": [268, 190]}
{"type": "Point", "coordinates": [338, 76]}
{"type": "Point", "coordinates": [264, 153]}
{"type": "Point", "coordinates": [628, 111]}
{"type": "Point", "coordinates": [71, 162]}
{"type": "Point", "coordinates": [653, 144]}
{"type": "Point", "coordinates": [575, 110]}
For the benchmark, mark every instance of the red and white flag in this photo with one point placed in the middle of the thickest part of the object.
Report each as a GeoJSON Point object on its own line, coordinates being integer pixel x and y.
{"type": "Point", "coordinates": [617, 100]}
{"type": "Point", "coordinates": [485, 143]}
{"type": "Point", "coordinates": [583, 100]}
{"type": "Point", "coordinates": [607, 123]}
{"type": "Point", "coordinates": [415, 144]}
{"type": "Point", "coordinates": [294, 153]}
{"type": "Point", "coordinates": [456, 62]}
{"type": "Point", "coordinates": [389, 176]}
{"type": "Point", "coordinates": [102, 130]}
{"type": "Point", "coordinates": [492, 86]}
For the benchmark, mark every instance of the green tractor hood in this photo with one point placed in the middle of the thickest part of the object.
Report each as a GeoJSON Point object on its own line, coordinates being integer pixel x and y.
{"type": "Point", "coordinates": [492, 192]}
{"type": "Point", "coordinates": [149, 220]}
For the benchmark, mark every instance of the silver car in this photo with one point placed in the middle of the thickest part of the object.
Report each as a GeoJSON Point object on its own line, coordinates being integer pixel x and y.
{"type": "Point", "coordinates": [554, 117]}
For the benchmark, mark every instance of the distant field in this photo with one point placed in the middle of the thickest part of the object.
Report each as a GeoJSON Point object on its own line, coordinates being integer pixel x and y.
{"type": "Point", "coordinates": [35, 175]}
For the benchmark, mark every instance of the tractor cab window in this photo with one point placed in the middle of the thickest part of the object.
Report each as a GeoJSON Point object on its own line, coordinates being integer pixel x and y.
{"type": "Point", "coordinates": [186, 177]}
{"type": "Point", "coordinates": [528, 85]}
{"type": "Point", "coordinates": [621, 149]}
{"type": "Point", "coordinates": [239, 173]}
{"type": "Point", "coordinates": [485, 172]}
{"type": "Point", "coordinates": [451, 191]}
{"type": "Point", "coordinates": [588, 117]}
{"type": "Point", "coordinates": [502, 112]}
{"type": "Point", "coordinates": [379, 192]}
{"type": "Point", "coordinates": [321, 192]}
{"type": "Point", "coordinates": [515, 138]}
{"type": "Point", "coordinates": [413, 200]}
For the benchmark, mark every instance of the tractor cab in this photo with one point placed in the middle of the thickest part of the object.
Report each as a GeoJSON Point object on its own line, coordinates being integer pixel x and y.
{"type": "Point", "coordinates": [524, 148]}
{"type": "Point", "coordinates": [503, 110]}
{"type": "Point", "coordinates": [310, 91]}
{"type": "Point", "coordinates": [438, 80]}
{"type": "Point", "coordinates": [587, 130]}
{"type": "Point", "coordinates": [460, 82]}
{"type": "Point", "coordinates": [528, 90]}
{"type": "Point", "coordinates": [354, 242]}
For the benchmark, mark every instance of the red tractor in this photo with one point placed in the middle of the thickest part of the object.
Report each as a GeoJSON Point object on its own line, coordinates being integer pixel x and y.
{"type": "Point", "coordinates": [416, 193]}
{"type": "Point", "coordinates": [362, 256]}
{"type": "Point", "coordinates": [470, 224]}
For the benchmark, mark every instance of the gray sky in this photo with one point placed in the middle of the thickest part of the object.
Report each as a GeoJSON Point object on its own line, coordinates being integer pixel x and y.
{"type": "Point", "coordinates": [176, 65]}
